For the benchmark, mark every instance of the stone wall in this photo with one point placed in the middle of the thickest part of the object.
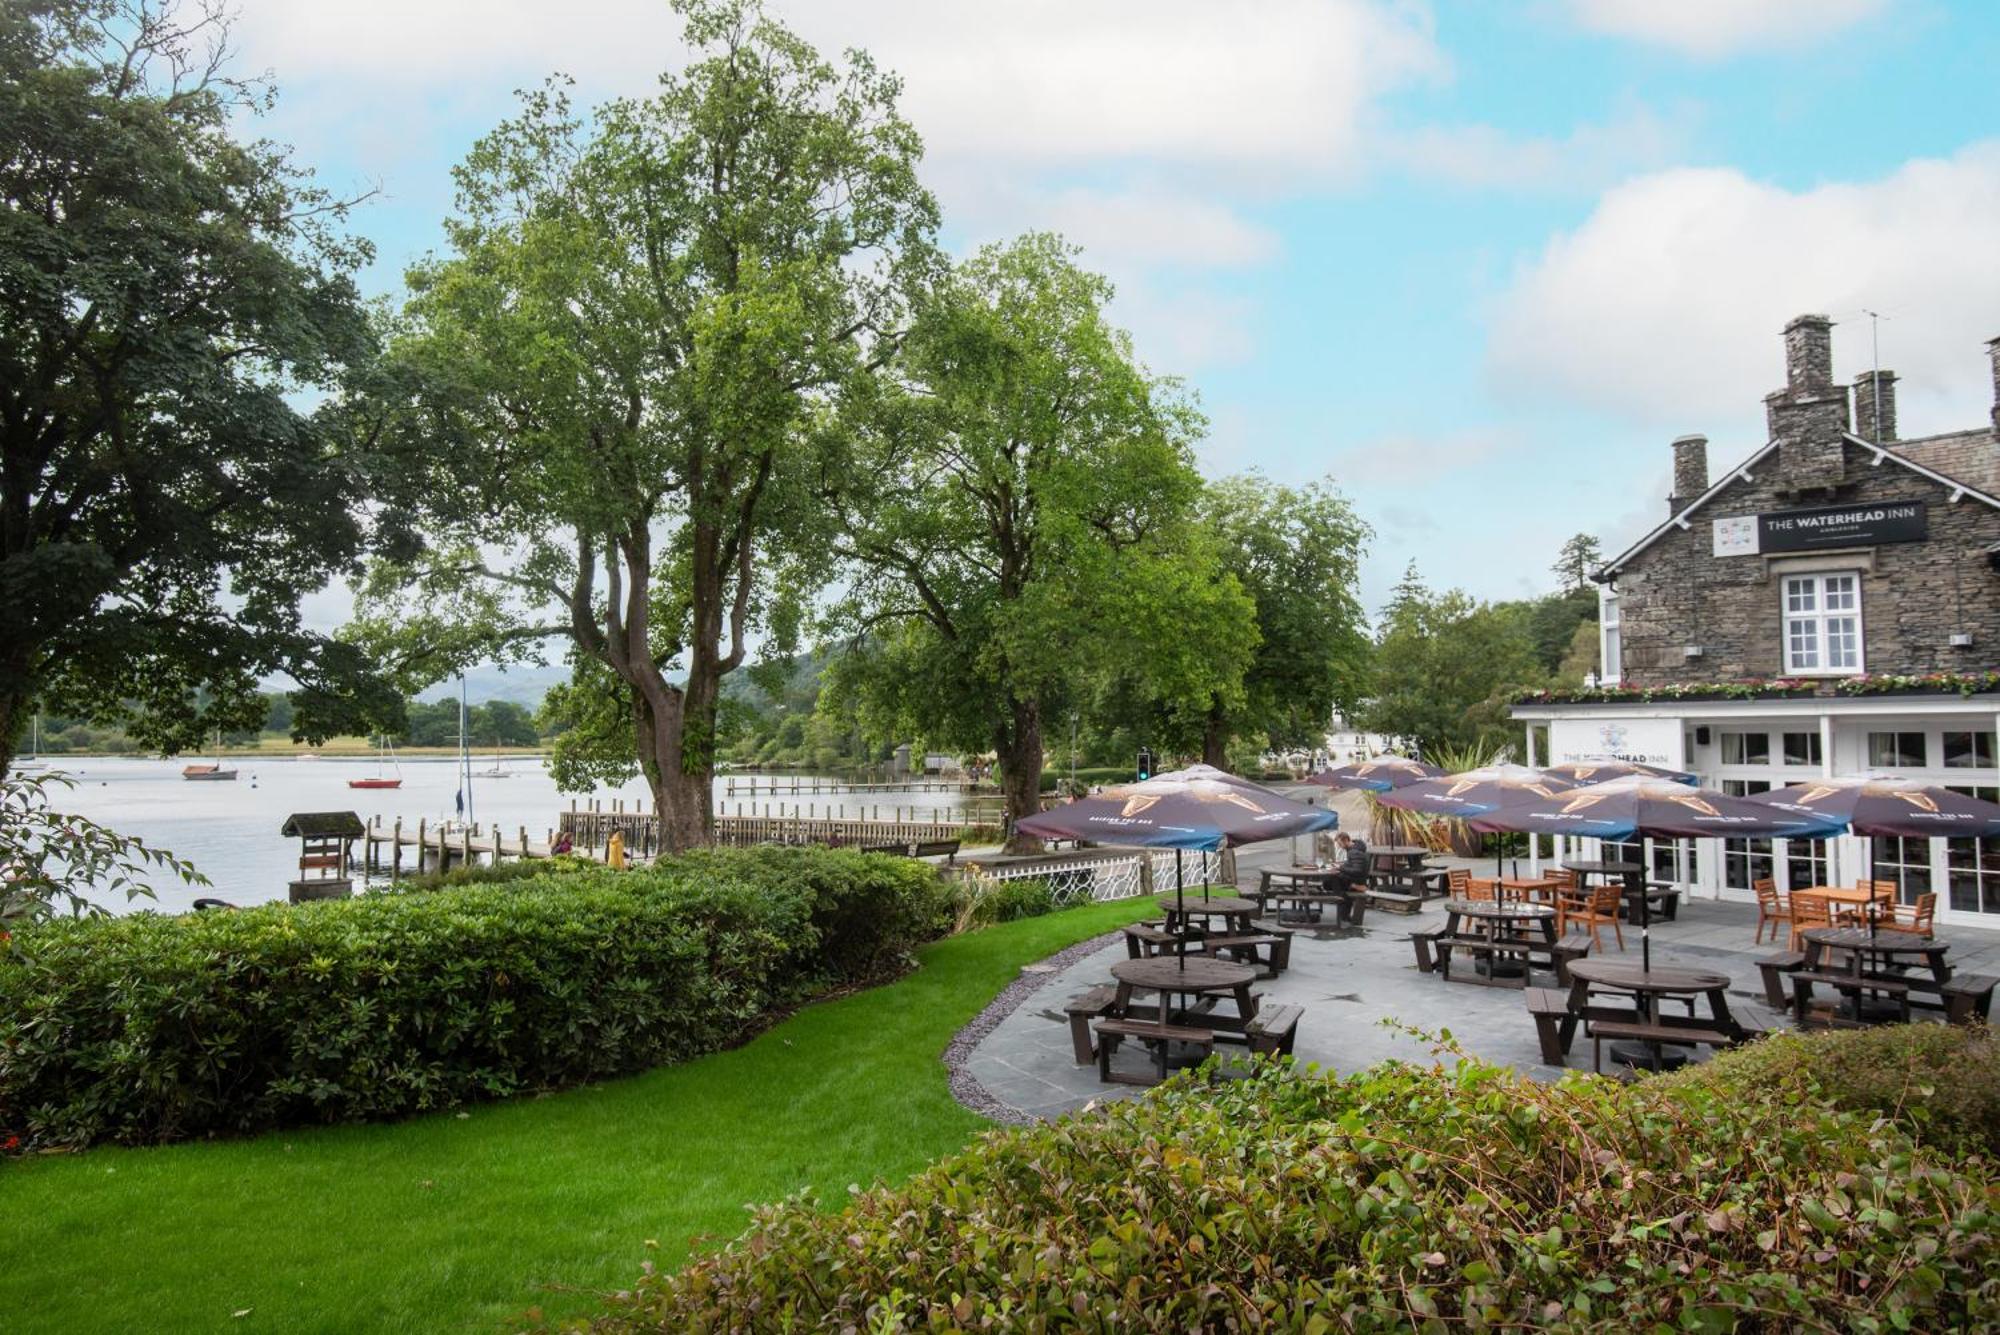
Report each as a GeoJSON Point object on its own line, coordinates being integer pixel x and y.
{"type": "Point", "coordinates": [1914, 596]}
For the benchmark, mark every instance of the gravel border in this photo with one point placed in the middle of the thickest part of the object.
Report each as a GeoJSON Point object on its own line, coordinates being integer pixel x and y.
{"type": "Point", "coordinates": [966, 1089]}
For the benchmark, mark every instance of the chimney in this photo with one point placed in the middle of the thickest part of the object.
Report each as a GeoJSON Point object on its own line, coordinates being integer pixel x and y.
{"type": "Point", "coordinates": [1875, 405]}
{"type": "Point", "coordinates": [1809, 353]}
{"type": "Point", "coordinates": [1690, 472]}
{"type": "Point", "coordinates": [1809, 415]}
{"type": "Point", "coordinates": [1993, 351]}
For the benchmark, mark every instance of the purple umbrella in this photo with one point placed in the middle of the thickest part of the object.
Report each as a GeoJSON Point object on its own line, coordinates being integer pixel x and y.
{"type": "Point", "coordinates": [1378, 774]}
{"type": "Point", "coordinates": [1179, 813]}
{"type": "Point", "coordinates": [1884, 805]}
{"type": "Point", "coordinates": [1466, 795]}
{"type": "Point", "coordinates": [1603, 771]}
{"type": "Point", "coordinates": [1639, 804]}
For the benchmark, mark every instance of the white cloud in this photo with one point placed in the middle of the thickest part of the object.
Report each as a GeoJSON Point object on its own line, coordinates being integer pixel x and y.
{"type": "Point", "coordinates": [1709, 29]}
{"type": "Point", "coordinates": [1666, 303]}
{"type": "Point", "coordinates": [1587, 158]}
{"type": "Point", "coordinates": [1401, 461]}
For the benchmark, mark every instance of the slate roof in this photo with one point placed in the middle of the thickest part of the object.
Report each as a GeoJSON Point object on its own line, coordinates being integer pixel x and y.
{"type": "Point", "coordinates": [322, 825]}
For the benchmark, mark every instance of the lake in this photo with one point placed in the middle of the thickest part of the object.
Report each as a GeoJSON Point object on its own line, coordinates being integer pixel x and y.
{"type": "Point", "coordinates": [230, 830]}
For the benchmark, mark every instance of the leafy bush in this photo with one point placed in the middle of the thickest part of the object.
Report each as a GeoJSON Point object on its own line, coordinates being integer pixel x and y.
{"type": "Point", "coordinates": [1398, 1199]}
{"type": "Point", "coordinates": [1941, 1081]}
{"type": "Point", "coordinates": [988, 902]}
{"type": "Point", "coordinates": [502, 873]}
{"type": "Point", "coordinates": [151, 1028]}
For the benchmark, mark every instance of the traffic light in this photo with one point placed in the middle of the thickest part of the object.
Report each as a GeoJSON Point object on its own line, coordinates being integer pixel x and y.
{"type": "Point", "coordinates": [1145, 762]}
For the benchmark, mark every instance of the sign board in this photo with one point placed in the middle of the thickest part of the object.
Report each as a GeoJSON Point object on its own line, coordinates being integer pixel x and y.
{"type": "Point", "coordinates": [1822, 527]}
{"type": "Point", "coordinates": [1643, 741]}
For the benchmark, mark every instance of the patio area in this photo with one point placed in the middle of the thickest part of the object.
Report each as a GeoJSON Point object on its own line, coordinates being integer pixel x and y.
{"type": "Point", "coordinates": [1350, 979]}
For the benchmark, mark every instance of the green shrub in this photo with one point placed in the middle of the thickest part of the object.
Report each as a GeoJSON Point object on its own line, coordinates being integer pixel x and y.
{"type": "Point", "coordinates": [150, 1028]}
{"type": "Point", "coordinates": [504, 873]}
{"type": "Point", "coordinates": [1399, 1199]}
{"type": "Point", "coordinates": [1009, 901]}
{"type": "Point", "coordinates": [1941, 1081]}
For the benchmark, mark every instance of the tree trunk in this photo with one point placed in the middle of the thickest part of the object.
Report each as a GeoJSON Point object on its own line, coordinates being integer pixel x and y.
{"type": "Point", "coordinates": [13, 711]}
{"type": "Point", "coordinates": [1019, 748]}
{"type": "Point", "coordinates": [1215, 737]}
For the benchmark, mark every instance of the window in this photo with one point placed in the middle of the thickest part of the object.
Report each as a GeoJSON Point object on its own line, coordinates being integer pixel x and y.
{"type": "Point", "coordinates": [1968, 750]}
{"type": "Point", "coordinates": [1746, 748]}
{"type": "Point", "coordinates": [1802, 748]}
{"type": "Point", "coordinates": [1897, 750]}
{"type": "Point", "coordinates": [1805, 863]}
{"type": "Point", "coordinates": [1823, 623]}
{"type": "Point", "coordinates": [1608, 637]}
{"type": "Point", "coordinates": [1907, 862]}
{"type": "Point", "coordinates": [1746, 860]}
{"type": "Point", "coordinates": [1972, 866]}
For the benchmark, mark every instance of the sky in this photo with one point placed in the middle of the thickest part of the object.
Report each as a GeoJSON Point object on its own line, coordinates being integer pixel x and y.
{"type": "Point", "coordinates": [1476, 262]}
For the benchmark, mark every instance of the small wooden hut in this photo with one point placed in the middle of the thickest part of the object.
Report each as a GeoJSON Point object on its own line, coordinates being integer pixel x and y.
{"type": "Point", "coordinates": [326, 838]}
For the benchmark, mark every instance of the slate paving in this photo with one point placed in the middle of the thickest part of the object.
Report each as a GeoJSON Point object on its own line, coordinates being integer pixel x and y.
{"type": "Point", "coordinates": [1350, 980]}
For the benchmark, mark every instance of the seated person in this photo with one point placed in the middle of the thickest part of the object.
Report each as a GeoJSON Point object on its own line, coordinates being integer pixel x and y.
{"type": "Point", "coordinates": [1354, 863]}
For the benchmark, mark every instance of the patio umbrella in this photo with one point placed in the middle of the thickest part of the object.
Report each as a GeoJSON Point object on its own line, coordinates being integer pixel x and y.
{"type": "Point", "coordinates": [1639, 804]}
{"type": "Point", "coordinates": [1377, 774]}
{"type": "Point", "coordinates": [1219, 776]}
{"type": "Point", "coordinates": [1180, 814]}
{"type": "Point", "coordinates": [1892, 807]}
{"type": "Point", "coordinates": [1473, 792]}
{"type": "Point", "coordinates": [1604, 770]}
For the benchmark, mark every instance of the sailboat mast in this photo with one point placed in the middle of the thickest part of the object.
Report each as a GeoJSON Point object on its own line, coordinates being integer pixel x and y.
{"type": "Point", "coordinates": [464, 751]}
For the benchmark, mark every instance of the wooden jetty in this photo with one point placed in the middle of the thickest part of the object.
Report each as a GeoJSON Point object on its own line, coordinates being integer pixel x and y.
{"type": "Point", "coordinates": [783, 785]}
{"type": "Point", "coordinates": [443, 846]}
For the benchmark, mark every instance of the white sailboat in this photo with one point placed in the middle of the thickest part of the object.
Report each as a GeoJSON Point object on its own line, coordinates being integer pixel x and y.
{"type": "Point", "coordinates": [209, 773]}
{"type": "Point", "coordinates": [33, 760]}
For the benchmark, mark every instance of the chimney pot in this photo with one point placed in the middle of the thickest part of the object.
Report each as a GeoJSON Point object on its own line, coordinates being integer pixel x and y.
{"type": "Point", "coordinates": [1690, 471]}
{"type": "Point", "coordinates": [1809, 353]}
{"type": "Point", "coordinates": [1875, 405]}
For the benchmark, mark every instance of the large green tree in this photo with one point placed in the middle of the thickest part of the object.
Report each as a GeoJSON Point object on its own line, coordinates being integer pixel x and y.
{"type": "Point", "coordinates": [1022, 525]}
{"type": "Point", "coordinates": [618, 393]}
{"type": "Point", "coordinates": [170, 293]}
{"type": "Point", "coordinates": [1297, 552]}
{"type": "Point", "coordinates": [1442, 664]}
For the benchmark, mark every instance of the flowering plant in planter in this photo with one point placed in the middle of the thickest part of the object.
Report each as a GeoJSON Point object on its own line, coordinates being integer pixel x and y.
{"type": "Point", "coordinates": [1925, 683]}
{"type": "Point", "coordinates": [1753, 689]}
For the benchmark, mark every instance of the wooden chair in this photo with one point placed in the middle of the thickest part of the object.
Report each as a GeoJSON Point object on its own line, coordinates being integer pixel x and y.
{"type": "Point", "coordinates": [1919, 917]}
{"type": "Point", "coordinates": [1770, 908]}
{"type": "Point", "coordinates": [1565, 883]}
{"type": "Point", "coordinates": [1458, 883]}
{"type": "Point", "coordinates": [1592, 909]}
{"type": "Point", "coordinates": [1476, 888]}
{"type": "Point", "coordinates": [1808, 911]}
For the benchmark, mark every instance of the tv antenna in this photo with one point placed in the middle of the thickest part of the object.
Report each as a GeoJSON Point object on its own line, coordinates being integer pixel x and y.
{"type": "Point", "coordinates": [1875, 319]}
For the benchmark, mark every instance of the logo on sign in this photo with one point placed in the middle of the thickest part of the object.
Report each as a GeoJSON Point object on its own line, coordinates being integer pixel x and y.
{"type": "Point", "coordinates": [1613, 737]}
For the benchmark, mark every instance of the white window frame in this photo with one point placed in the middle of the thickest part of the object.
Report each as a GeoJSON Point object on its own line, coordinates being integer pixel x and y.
{"type": "Point", "coordinates": [1820, 620]}
{"type": "Point", "coordinates": [1610, 637]}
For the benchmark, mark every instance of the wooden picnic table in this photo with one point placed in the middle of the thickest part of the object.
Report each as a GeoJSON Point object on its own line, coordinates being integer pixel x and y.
{"type": "Point", "coordinates": [1647, 988]}
{"type": "Point", "coordinates": [1852, 900]}
{"type": "Point", "coordinates": [1855, 961]}
{"type": "Point", "coordinates": [1236, 912]}
{"type": "Point", "coordinates": [1192, 979]}
{"type": "Point", "coordinates": [1487, 929]}
{"type": "Point", "coordinates": [1322, 886]}
{"type": "Point", "coordinates": [1401, 868]}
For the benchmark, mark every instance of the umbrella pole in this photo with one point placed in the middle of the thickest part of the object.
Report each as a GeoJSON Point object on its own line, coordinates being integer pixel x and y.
{"type": "Point", "coordinates": [1180, 914]}
{"type": "Point", "coordinates": [1645, 929]}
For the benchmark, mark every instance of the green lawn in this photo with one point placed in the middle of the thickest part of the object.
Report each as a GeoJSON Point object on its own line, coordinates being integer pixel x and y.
{"type": "Point", "coordinates": [466, 1220]}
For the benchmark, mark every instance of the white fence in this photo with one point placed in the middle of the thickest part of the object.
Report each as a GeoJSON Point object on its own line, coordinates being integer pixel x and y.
{"type": "Point", "coordinates": [1098, 878]}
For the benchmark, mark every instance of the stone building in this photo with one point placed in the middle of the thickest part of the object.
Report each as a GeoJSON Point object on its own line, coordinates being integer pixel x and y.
{"type": "Point", "coordinates": [1749, 636]}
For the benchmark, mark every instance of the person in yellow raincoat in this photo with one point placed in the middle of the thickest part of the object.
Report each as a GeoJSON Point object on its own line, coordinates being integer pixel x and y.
{"type": "Point", "coordinates": [614, 851]}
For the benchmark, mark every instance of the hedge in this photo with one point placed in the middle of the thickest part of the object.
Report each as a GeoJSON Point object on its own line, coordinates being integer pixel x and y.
{"type": "Point", "coordinates": [149, 1028]}
{"type": "Point", "coordinates": [1398, 1199]}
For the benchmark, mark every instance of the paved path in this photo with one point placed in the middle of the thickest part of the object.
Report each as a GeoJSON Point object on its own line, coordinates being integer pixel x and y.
{"type": "Point", "coordinates": [1349, 980]}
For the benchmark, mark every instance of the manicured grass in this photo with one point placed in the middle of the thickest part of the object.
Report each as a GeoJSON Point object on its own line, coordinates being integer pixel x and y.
{"type": "Point", "coordinates": [466, 1220]}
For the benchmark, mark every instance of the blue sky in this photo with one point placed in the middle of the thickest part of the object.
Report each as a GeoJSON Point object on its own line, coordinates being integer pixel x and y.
{"type": "Point", "coordinates": [1478, 262]}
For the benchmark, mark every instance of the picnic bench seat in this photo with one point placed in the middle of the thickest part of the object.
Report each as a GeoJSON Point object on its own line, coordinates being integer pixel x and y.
{"type": "Point", "coordinates": [1555, 1027]}
{"type": "Point", "coordinates": [1156, 1036]}
{"type": "Point", "coordinates": [1803, 980]}
{"type": "Point", "coordinates": [1143, 939]}
{"type": "Point", "coordinates": [1394, 901]}
{"type": "Point", "coordinates": [936, 848]}
{"type": "Point", "coordinates": [1664, 897]}
{"type": "Point", "coordinates": [1967, 996]}
{"type": "Point", "coordinates": [1774, 968]}
{"type": "Point", "coordinates": [1679, 1035]}
{"type": "Point", "coordinates": [1425, 940]}
{"type": "Point", "coordinates": [1271, 952]}
{"type": "Point", "coordinates": [1082, 1009]}
{"type": "Point", "coordinates": [1273, 1029]}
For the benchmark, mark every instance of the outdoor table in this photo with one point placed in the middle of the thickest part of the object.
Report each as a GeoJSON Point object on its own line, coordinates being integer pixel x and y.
{"type": "Point", "coordinates": [1506, 925]}
{"type": "Point", "coordinates": [1852, 900]}
{"type": "Point", "coordinates": [1236, 912]}
{"type": "Point", "coordinates": [1404, 869]}
{"type": "Point", "coordinates": [1322, 882]}
{"type": "Point", "coordinates": [1647, 988]}
{"type": "Point", "coordinates": [1191, 978]}
{"type": "Point", "coordinates": [1869, 955]}
{"type": "Point", "coordinates": [1528, 887]}
{"type": "Point", "coordinates": [1631, 873]}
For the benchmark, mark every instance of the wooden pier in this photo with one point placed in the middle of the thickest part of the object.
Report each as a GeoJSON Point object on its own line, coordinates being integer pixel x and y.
{"type": "Point", "coordinates": [442, 847]}
{"type": "Point", "coordinates": [779, 785]}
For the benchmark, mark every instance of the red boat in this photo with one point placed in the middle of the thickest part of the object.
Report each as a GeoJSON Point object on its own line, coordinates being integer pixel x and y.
{"type": "Point", "coordinates": [374, 783]}
{"type": "Point", "coordinates": [386, 756]}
